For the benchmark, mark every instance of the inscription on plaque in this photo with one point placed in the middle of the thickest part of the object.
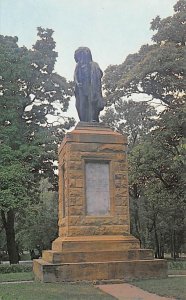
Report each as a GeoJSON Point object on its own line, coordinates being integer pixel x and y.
{"type": "Point", "coordinates": [97, 188]}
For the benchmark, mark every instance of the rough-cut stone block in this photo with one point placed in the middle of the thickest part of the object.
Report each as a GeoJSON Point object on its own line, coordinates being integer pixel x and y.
{"type": "Point", "coordinates": [122, 209]}
{"type": "Point", "coordinates": [98, 230]}
{"type": "Point", "coordinates": [138, 269]}
{"type": "Point", "coordinates": [75, 211]}
{"type": "Point", "coordinates": [94, 221]}
{"type": "Point", "coordinates": [111, 148]}
{"type": "Point", "coordinates": [94, 145]}
{"type": "Point", "coordinates": [79, 183]}
{"type": "Point", "coordinates": [96, 256]}
{"type": "Point", "coordinates": [76, 191]}
{"type": "Point", "coordinates": [95, 243]}
{"type": "Point", "coordinates": [75, 165]}
{"type": "Point", "coordinates": [72, 182]}
{"type": "Point", "coordinates": [75, 174]}
{"type": "Point", "coordinates": [75, 201]}
{"type": "Point", "coordinates": [91, 271]}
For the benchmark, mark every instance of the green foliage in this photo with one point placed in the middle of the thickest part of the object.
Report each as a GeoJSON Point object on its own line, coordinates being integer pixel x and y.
{"type": "Point", "coordinates": [40, 218]}
{"type": "Point", "coordinates": [177, 265]}
{"type": "Point", "coordinates": [14, 178]}
{"type": "Point", "coordinates": [171, 28]}
{"type": "Point", "coordinates": [157, 173]}
{"type": "Point", "coordinates": [156, 70]}
{"type": "Point", "coordinates": [5, 268]}
{"type": "Point", "coordinates": [132, 118]}
{"type": "Point", "coordinates": [32, 95]}
{"type": "Point", "coordinates": [156, 140]}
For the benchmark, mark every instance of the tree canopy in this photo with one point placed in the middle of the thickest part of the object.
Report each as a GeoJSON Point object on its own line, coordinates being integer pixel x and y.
{"type": "Point", "coordinates": [32, 96]}
{"type": "Point", "coordinates": [156, 137]}
{"type": "Point", "coordinates": [157, 70]}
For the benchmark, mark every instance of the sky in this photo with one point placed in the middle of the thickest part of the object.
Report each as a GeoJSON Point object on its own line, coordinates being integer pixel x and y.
{"type": "Point", "coordinates": [112, 29]}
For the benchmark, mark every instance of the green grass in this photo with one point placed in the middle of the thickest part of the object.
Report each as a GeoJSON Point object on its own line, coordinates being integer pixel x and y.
{"type": "Point", "coordinates": [168, 287]}
{"type": "Point", "coordinates": [51, 291]}
{"type": "Point", "coordinates": [16, 276]}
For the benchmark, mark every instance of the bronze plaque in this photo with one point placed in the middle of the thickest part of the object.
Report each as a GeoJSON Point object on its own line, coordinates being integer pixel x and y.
{"type": "Point", "coordinates": [97, 188]}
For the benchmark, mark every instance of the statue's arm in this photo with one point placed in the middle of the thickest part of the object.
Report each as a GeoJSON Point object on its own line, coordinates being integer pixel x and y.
{"type": "Point", "coordinates": [97, 69]}
{"type": "Point", "coordinates": [75, 75]}
{"type": "Point", "coordinates": [79, 84]}
{"type": "Point", "coordinates": [101, 72]}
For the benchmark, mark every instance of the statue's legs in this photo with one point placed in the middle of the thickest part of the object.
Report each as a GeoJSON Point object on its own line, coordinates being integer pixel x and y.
{"type": "Point", "coordinates": [95, 112]}
{"type": "Point", "coordinates": [82, 106]}
{"type": "Point", "coordinates": [78, 107]}
{"type": "Point", "coordinates": [87, 110]}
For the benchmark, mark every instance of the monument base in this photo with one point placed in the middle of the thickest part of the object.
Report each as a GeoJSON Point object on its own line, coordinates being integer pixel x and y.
{"type": "Point", "coordinates": [97, 258]}
{"type": "Point", "coordinates": [94, 242]}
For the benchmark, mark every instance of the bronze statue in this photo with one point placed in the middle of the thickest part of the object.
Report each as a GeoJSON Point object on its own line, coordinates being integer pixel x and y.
{"type": "Point", "coordinates": [87, 77]}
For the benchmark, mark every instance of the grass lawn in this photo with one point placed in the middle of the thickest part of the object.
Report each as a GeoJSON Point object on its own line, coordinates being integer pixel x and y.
{"type": "Point", "coordinates": [16, 277]}
{"type": "Point", "coordinates": [170, 287]}
{"type": "Point", "coordinates": [51, 291]}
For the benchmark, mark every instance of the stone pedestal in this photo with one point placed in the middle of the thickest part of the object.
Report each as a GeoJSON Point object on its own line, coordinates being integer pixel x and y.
{"type": "Point", "coordinates": [94, 240]}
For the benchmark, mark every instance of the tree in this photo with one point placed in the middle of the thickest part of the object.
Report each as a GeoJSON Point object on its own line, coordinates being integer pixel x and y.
{"type": "Point", "coordinates": [156, 179]}
{"type": "Point", "coordinates": [156, 157]}
{"type": "Point", "coordinates": [41, 217]}
{"type": "Point", "coordinates": [30, 92]}
{"type": "Point", "coordinates": [136, 120]}
{"type": "Point", "coordinates": [132, 118]}
{"type": "Point", "coordinates": [157, 166]}
{"type": "Point", "coordinates": [157, 70]}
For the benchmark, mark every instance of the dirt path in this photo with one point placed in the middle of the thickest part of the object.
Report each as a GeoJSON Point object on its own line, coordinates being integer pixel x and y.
{"type": "Point", "coordinates": [125, 291]}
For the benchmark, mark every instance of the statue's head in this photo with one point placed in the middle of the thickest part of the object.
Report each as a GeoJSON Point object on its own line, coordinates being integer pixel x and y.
{"type": "Point", "coordinates": [83, 55]}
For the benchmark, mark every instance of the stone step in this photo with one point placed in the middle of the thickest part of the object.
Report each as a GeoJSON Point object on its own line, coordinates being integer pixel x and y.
{"type": "Point", "coordinates": [96, 256]}
{"type": "Point", "coordinates": [97, 271]}
{"type": "Point", "coordinates": [95, 243]}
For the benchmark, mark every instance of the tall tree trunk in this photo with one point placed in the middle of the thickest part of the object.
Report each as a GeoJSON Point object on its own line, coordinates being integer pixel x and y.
{"type": "Point", "coordinates": [8, 223]}
{"type": "Point", "coordinates": [174, 243]}
{"type": "Point", "coordinates": [157, 251]}
{"type": "Point", "coordinates": [162, 243]}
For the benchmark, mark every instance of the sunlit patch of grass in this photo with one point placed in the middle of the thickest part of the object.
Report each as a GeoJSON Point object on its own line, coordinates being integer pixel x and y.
{"type": "Point", "coordinates": [51, 291]}
{"type": "Point", "coordinates": [16, 276]}
{"type": "Point", "coordinates": [168, 287]}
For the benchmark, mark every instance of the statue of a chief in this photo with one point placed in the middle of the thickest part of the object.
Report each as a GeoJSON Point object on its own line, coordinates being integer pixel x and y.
{"type": "Point", "coordinates": [87, 77]}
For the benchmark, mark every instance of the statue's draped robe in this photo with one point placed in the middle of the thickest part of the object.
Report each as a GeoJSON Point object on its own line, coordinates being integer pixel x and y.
{"type": "Point", "coordinates": [89, 100]}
